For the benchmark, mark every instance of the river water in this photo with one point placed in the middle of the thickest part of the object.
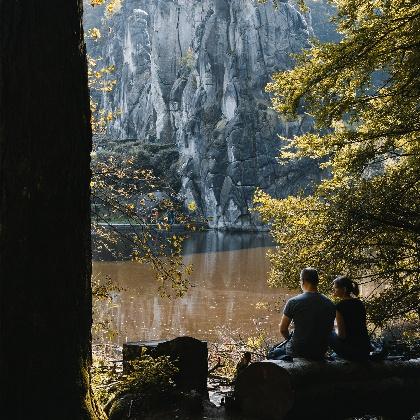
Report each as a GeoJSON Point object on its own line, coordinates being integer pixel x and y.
{"type": "Point", "coordinates": [229, 296]}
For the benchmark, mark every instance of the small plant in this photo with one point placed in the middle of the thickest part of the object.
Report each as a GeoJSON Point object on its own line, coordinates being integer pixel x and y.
{"type": "Point", "coordinates": [148, 378]}
{"type": "Point", "coordinates": [188, 60]}
{"type": "Point", "coordinates": [192, 206]}
{"type": "Point", "coordinates": [228, 349]}
{"type": "Point", "coordinates": [102, 291]}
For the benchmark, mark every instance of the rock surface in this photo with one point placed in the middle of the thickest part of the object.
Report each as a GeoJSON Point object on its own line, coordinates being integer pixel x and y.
{"type": "Point", "coordinates": [192, 74]}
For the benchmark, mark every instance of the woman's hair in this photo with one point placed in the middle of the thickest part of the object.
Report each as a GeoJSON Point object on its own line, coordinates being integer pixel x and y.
{"type": "Point", "coordinates": [350, 286]}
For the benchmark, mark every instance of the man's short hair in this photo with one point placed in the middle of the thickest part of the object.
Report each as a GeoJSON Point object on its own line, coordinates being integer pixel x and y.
{"type": "Point", "coordinates": [310, 275]}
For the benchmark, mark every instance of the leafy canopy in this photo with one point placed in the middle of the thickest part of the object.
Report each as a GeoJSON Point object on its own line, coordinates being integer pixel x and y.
{"type": "Point", "coordinates": [363, 220]}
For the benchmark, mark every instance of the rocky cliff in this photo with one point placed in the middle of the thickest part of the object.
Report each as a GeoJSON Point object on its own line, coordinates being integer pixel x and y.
{"type": "Point", "coordinates": [192, 73]}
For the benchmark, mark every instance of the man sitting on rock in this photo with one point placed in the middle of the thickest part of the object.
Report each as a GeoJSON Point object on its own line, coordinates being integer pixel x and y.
{"type": "Point", "coordinates": [313, 317]}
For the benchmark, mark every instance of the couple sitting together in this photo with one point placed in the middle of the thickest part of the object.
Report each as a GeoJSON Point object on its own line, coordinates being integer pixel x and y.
{"type": "Point", "coordinates": [313, 317]}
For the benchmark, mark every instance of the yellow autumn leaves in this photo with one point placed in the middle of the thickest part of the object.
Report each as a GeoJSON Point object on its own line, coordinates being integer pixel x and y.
{"type": "Point", "coordinates": [111, 6]}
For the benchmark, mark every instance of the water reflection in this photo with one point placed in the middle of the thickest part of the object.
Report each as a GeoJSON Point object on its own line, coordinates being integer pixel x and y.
{"type": "Point", "coordinates": [230, 272]}
{"type": "Point", "coordinates": [216, 241]}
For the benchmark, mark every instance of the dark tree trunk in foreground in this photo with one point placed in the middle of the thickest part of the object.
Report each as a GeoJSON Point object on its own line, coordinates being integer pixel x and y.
{"type": "Point", "coordinates": [45, 140]}
{"type": "Point", "coordinates": [329, 390]}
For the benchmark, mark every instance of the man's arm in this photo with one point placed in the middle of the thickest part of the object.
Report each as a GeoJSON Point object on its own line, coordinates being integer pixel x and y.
{"type": "Point", "coordinates": [284, 326]}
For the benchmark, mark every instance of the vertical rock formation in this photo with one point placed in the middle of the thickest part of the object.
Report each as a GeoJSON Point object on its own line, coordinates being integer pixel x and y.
{"type": "Point", "coordinates": [192, 74]}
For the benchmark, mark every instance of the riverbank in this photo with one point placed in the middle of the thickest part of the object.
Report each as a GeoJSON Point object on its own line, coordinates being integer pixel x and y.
{"type": "Point", "coordinates": [215, 404]}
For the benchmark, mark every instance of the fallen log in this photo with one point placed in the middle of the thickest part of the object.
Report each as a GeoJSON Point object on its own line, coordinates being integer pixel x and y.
{"type": "Point", "coordinates": [302, 389]}
{"type": "Point", "coordinates": [188, 354]}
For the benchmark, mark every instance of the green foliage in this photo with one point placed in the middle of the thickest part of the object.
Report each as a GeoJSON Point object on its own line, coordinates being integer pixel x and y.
{"type": "Point", "coordinates": [364, 219]}
{"type": "Point", "coordinates": [149, 377]}
{"type": "Point", "coordinates": [188, 60]}
{"type": "Point", "coordinates": [162, 158]}
{"type": "Point", "coordinates": [121, 192]}
{"type": "Point", "coordinates": [102, 292]}
{"type": "Point", "coordinates": [149, 374]}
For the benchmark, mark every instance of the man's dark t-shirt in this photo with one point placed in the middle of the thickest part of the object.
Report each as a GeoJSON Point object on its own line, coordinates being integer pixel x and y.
{"type": "Point", "coordinates": [313, 316]}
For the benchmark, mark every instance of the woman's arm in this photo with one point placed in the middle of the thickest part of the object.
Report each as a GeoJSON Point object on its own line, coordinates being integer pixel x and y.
{"type": "Point", "coordinates": [341, 329]}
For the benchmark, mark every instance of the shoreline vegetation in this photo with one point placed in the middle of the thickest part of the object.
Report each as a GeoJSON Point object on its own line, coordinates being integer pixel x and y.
{"type": "Point", "coordinates": [166, 400]}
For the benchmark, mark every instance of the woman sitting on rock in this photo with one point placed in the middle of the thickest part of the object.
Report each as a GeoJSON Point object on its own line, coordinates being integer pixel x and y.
{"type": "Point", "coordinates": [351, 341]}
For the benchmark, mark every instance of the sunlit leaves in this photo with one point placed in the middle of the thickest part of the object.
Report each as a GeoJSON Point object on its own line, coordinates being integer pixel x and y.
{"type": "Point", "coordinates": [146, 376]}
{"type": "Point", "coordinates": [111, 6]}
{"type": "Point", "coordinates": [364, 219]}
{"type": "Point", "coordinates": [192, 206]}
{"type": "Point", "coordinates": [102, 291]}
{"type": "Point", "coordinates": [369, 80]}
{"type": "Point", "coordinates": [100, 79]}
{"type": "Point", "coordinates": [94, 33]}
{"type": "Point", "coordinates": [94, 3]}
{"type": "Point", "coordinates": [123, 192]}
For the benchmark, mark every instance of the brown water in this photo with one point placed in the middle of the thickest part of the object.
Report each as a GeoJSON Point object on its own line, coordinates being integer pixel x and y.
{"type": "Point", "coordinates": [229, 293]}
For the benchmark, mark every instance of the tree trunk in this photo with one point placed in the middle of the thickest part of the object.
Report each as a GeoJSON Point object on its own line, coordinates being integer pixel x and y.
{"type": "Point", "coordinates": [328, 390]}
{"type": "Point", "coordinates": [45, 257]}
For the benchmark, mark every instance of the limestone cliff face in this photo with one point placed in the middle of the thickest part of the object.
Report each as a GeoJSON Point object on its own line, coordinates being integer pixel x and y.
{"type": "Point", "coordinates": [192, 73]}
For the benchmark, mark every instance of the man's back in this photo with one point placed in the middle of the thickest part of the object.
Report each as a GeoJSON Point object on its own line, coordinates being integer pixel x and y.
{"type": "Point", "coordinates": [313, 317]}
